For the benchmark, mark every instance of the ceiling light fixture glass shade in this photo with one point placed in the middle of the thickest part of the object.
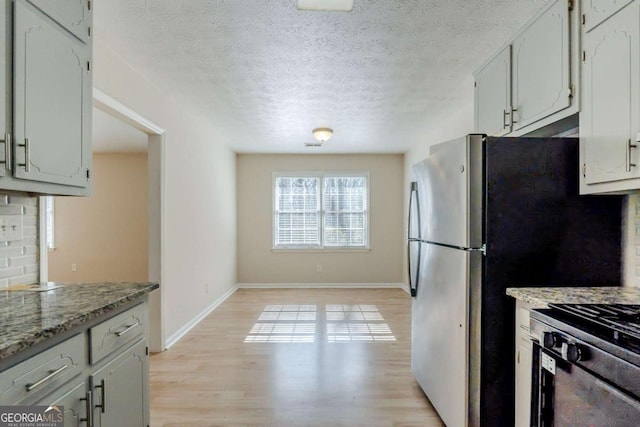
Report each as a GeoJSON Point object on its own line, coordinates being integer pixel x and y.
{"type": "Point", "coordinates": [327, 5]}
{"type": "Point", "coordinates": [322, 134]}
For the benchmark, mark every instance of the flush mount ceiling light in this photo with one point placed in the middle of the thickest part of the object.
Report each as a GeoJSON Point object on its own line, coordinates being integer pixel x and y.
{"type": "Point", "coordinates": [322, 134]}
{"type": "Point", "coordinates": [328, 5]}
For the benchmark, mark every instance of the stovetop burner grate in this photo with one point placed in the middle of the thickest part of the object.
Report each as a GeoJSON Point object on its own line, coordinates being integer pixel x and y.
{"type": "Point", "coordinates": [618, 317]}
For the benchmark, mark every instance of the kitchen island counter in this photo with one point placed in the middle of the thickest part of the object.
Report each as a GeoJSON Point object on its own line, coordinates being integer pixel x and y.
{"type": "Point", "coordinates": [541, 297]}
{"type": "Point", "coordinates": [29, 318]}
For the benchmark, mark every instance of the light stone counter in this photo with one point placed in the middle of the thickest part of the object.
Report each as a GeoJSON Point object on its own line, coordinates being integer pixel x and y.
{"type": "Point", "coordinates": [29, 318]}
{"type": "Point", "coordinates": [540, 297]}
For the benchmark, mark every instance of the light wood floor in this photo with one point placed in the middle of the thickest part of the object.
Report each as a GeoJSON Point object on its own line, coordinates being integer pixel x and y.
{"type": "Point", "coordinates": [349, 365]}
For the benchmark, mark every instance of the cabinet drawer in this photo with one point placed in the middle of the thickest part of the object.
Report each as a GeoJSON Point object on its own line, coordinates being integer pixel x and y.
{"type": "Point", "coordinates": [116, 332]}
{"type": "Point", "coordinates": [40, 375]}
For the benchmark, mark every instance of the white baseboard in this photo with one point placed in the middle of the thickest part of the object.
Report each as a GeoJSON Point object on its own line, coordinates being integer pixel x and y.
{"type": "Point", "coordinates": [174, 338]}
{"type": "Point", "coordinates": [322, 285]}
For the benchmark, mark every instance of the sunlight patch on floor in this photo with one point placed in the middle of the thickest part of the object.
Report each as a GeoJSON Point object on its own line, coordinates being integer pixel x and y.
{"type": "Point", "coordinates": [294, 323]}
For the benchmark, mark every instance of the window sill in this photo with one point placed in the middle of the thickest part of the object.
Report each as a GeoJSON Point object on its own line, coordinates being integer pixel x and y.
{"type": "Point", "coordinates": [320, 250]}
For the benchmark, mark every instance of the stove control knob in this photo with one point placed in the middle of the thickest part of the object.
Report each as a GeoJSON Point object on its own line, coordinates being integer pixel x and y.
{"type": "Point", "coordinates": [573, 352]}
{"type": "Point", "coordinates": [551, 340]}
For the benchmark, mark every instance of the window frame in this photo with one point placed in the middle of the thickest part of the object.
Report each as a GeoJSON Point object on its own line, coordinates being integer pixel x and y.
{"type": "Point", "coordinates": [321, 175]}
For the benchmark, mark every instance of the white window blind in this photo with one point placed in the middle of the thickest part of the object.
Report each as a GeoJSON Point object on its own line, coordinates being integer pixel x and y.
{"type": "Point", "coordinates": [50, 221]}
{"type": "Point", "coordinates": [345, 213]}
{"type": "Point", "coordinates": [323, 210]}
{"type": "Point", "coordinates": [297, 211]}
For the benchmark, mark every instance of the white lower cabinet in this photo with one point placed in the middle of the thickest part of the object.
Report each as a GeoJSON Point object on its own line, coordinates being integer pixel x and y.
{"type": "Point", "coordinates": [111, 390]}
{"type": "Point", "coordinates": [74, 402]}
{"type": "Point", "coordinates": [120, 390]}
{"type": "Point", "coordinates": [523, 355]}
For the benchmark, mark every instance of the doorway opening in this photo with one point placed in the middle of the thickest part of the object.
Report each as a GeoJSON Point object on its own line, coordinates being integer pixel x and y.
{"type": "Point", "coordinates": [118, 233]}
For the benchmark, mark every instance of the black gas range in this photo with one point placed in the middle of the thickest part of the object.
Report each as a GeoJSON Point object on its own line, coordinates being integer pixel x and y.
{"type": "Point", "coordinates": [586, 365]}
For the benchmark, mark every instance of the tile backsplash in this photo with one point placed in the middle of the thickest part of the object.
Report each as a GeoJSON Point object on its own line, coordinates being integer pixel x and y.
{"type": "Point", "coordinates": [19, 259]}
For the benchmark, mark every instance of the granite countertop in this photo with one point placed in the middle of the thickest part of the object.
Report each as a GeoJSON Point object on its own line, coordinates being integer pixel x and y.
{"type": "Point", "coordinates": [540, 297]}
{"type": "Point", "coordinates": [27, 317]}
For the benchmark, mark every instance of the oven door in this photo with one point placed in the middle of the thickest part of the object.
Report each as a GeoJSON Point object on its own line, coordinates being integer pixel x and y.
{"type": "Point", "coordinates": [570, 396]}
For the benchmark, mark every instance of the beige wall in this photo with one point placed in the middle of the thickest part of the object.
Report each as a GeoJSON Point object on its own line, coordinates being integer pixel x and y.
{"type": "Point", "coordinates": [105, 235]}
{"type": "Point", "coordinates": [199, 260]}
{"type": "Point", "coordinates": [258, 263]}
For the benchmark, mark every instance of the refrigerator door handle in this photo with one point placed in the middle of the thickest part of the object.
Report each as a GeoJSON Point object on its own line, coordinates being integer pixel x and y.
{"type": "Point", "coordinates": [410, 239]}
{"type": "Point", "coordinates": [482, 249]}
{"type": "Point", "coordinates": [414, 289]}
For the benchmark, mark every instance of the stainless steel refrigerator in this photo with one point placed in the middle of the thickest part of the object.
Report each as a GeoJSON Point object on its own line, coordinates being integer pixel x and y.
{"type": "Point", "coordinates": [487, 214]}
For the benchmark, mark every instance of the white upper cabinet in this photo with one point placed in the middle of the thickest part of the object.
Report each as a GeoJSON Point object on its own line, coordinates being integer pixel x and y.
{"type": "Point", "coordinates": [73, 15]}
{"type": "Point", "coordinates": [48, 106]}
{"type": "Point", "coordinates": [52, 91]}
{"type": "Point", "coordinates": [493, 95]}
{"type": "Point", "coordinates": [5, 86]}
{"type": "Point", "coordinates": [596, 11]}
{"type": "Point", "coordinates": [610, 117]}
{"type": "Point", "coordinates": [540, 67]}
{"type": "Point", "coordinates": [532, 82]}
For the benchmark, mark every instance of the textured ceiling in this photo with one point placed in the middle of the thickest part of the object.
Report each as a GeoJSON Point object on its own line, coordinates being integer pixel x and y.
{"type": "Point", "coordinates": [266, 74]}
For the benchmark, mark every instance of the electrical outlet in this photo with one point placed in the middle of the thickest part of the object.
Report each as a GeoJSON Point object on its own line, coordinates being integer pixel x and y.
{"type": "Point", "coordinates": [319, 268]}
{"type": "Point", "coordinates": [74, 267]}
{"type": "Point", "coordinates": [10, 223]}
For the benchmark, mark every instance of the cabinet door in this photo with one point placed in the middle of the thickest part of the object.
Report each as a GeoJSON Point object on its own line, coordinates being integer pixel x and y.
{"type": "Point", "coordinates": [73, 15]}
{"type": "Point", "coordinates": [52, 99]}
{"type": "Point", "coordinates": [596, 11]}
{"type": "Point", "coordinates": [524, 349]}
{"type": "Point", "coordinates": [524, 362]}
{"type": "Point", "coordinates": [5, 83]}
{"type": "Point", "coordinates": [74, 403]}
{"type": "Point", "coordinates": [493, 95]}
{"type": "Point", "coordinates": [120, 390]}
{"type": "Point", "coordinates": [610, 113]}
{"type": "Point", "coordinates": [541, 70]}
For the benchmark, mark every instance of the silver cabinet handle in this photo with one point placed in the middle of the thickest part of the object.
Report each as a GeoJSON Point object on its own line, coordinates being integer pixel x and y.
{"type": "Point", "coordinates": [630, 146]}
{"type": "Point", "coordinates": [27, 155]}
{"type": "Point", "coordinates": [89, 408]}
{"type": "Point", "coordinates": [102, 387]}
{"type": "Point", "coordinates": [52, 374]}
{"type": "Point", "coordinates": [505, 123]}
{"type": "Point", "coordinates": [127, 330]}
{"type": "Point", "coordinates": [7, 151]}
{"type": "Point", "coordinates": [513, 110]}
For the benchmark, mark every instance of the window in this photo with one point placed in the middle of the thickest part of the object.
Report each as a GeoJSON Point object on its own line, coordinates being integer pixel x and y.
{"type": "Point", "coordinates": [320, 211]}
{"type": "Point", "coordinates": [49, 224]}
